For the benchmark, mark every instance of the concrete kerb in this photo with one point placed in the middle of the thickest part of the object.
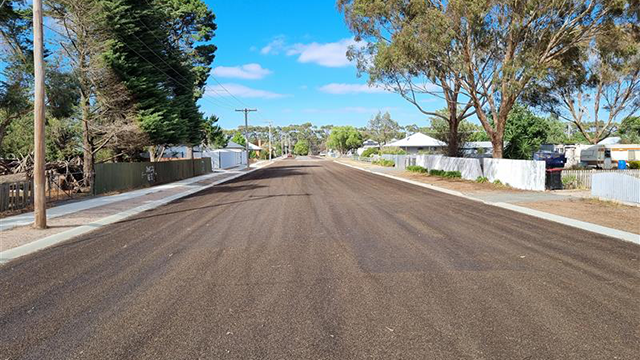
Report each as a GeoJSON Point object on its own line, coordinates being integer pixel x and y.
{"type": "Point", "coordinates": [58, 211]}
{"type": "Point", "coordinates": [602, 230]}
{"type": "Point", "coordinates": [12, 254]}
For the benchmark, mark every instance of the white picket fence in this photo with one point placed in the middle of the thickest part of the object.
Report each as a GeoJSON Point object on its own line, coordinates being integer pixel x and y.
{"type": "Point", "coordinates": [584, 177]}
{"type": "Point", "coordinates": [616, 186]}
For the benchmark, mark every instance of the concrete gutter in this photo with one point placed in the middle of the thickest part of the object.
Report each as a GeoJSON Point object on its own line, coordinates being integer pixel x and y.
{"type": "Point", "coordinates": [14, 253]}
{"type": "Point", "coordinates": [582, 225]}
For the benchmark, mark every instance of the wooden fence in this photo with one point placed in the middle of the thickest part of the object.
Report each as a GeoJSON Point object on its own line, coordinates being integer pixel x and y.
{"type": "Point", "coordinates": [112, 177]}
{"type": "Point", "coordinates": [583, 177]}
{"type": "Point", "coordinates": [16, 195]}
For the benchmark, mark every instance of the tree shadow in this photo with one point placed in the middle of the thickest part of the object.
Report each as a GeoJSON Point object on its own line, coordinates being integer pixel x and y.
{"type": "Point", "coordinates": [251, 198]}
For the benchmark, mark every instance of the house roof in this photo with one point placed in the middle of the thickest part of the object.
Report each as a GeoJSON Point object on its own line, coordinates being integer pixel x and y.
{"type": "Point", "coordinates": [233, 145]}
{"type": "Point", "coordinates": [417, 140]}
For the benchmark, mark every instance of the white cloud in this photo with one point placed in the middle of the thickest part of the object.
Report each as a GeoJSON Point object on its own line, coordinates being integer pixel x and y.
{"type": "Point", "coordinates": [343, 89]}
{"type": "Point", "coordinates": [333, 54]}
{"type": "Point", "coordinates": [248, 72]}
{"type": "Point", "coordinates": [328, 54]}
{"type": "Point", "coordinates": [242, 91]}
{"type": "Point", "coordinates": [275, 46]}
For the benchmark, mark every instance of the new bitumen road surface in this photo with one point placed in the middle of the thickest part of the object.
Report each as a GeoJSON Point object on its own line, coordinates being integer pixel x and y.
{"type": "Point", "coordinates": [315, 260]}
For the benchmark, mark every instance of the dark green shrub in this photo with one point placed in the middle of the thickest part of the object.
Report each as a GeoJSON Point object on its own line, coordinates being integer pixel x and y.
{"type": "Point", "coordinates": [482, 180]}
{"type": "Point", "coordinates": [370, 152]}
{"type": "Point", "coordinates": [436, 172]}
{"type": "Point", "coordinates": [453, 174]}
{"type": "Point", "coordinates": [417, 169]}
{"type": "Point", "coordinates": [634, 165]}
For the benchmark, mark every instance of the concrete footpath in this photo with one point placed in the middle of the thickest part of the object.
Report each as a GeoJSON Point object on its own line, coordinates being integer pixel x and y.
{"type": "Point", "coordinates": [18, 238]}
{"type": "Point", "coordinates": [509, 201]}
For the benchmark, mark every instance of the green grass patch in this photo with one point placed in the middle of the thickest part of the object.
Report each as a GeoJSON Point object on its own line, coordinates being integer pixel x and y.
{"type": "Point", "coordinates": [446, 174]}
{"type": "Point", "coordinates": [417, 169]}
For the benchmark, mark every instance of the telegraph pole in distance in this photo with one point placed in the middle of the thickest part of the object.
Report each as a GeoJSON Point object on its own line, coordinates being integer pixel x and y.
{"type": "Point", "coordinates": [246, 130]}
{"type": "Point", "coordinates": [270, 124]}
{"type": "Point", "coordinates": [40, 202]}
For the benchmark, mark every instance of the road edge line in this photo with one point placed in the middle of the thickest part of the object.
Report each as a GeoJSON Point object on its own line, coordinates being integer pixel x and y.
{"type": "Point", "coordinates": [578, 224]}
{"type": "Point", "coordinates": [46, 242]}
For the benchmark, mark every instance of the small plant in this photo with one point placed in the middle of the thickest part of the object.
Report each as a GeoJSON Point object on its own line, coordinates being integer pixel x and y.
{"type": "Point", "coordinates": [634, 165]}
{"type": "Point", "coordinates": [384, 162]}
{"type": "Point", "coordinates": [570, 182]}
{"type": "Point", "coordinates": [482, 180]}
{"type": "Point", "coordinates": [446, 174]}
{"type": "Point", "coordinates": [453, 174]}
{"type": "Point", "coordinates": [497, 182]}
{"type": "Point", "coordinates": [417, 169]}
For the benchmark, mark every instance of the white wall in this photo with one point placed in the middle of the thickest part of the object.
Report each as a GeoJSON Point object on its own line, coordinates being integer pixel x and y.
{"type": "Point", "coordinates": [226, 159]}
{"type": "Point", "coordinates": [616, 186]}
{"type": "Point", "coordinates": [469, 168]}
{"type": "Point", "coordinates": [520, 174]}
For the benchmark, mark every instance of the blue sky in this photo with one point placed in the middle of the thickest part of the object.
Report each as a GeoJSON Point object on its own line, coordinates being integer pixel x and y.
{"type": "Point", "coordinates": [287, 59]}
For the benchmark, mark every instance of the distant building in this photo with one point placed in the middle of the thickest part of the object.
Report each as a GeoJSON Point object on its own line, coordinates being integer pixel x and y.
{"type": "Point", "coordinates": [417, 143]}
{"type": "Point", "coordinates": [368, 144]}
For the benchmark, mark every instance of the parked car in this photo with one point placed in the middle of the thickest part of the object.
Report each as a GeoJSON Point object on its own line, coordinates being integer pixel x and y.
{"type": "Point", "coordinates": [552, 159]}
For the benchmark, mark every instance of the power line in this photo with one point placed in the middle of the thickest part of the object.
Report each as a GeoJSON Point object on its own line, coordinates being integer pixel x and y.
{"type": "Point", "coordinates": [204, 97]}
{"type": "Point", "coordinates": [214, 79]}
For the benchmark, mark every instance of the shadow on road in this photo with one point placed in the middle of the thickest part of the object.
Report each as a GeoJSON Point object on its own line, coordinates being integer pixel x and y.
{"type": "Point", "coordinates": [251, 198]}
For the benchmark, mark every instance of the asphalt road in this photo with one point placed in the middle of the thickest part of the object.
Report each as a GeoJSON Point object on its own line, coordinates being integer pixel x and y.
{"type": "Point", "coordinates": [314, 260]}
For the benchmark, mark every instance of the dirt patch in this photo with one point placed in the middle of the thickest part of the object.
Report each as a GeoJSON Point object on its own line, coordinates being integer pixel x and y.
{"type": "Point", "coordinates": [605, 213]}
{"type": "Point", "coordinates": [465, 186]}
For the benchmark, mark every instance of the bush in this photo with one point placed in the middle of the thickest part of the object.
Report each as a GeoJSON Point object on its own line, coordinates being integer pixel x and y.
{"type": "Point", "coordinates": [634, 165]}
{"type": "Point", "coordinates": [570, 182]}
{"type": "Point", "coordinates": [417, 169]}
{"type": "Point", "coordinates": [384, 162]}
{"type": "Point", "coordinates": [370, 152]}
{"type": "Point", "coordinates": [497, 182]}
{"type": "Point", "coordinates": [482, 180]}
{"type": "Point", "coordinates": [393, 151]}
{"type": "Point", "coordinates": [453, 174]}
{"type": "Point", "coordinates": [446, 174]}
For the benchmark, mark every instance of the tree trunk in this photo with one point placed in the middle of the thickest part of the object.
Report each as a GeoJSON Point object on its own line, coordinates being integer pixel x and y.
{"type": "Point", "coordinates": [453, 146]}
{"type": "Point", "coordinates": [498, 145]}
{"type": "Point", "coordinates": [88, 161]}
{"type": "Point", "coordinates": [152, 153]}
{"type": "Point", "coordinates": [190, 152]}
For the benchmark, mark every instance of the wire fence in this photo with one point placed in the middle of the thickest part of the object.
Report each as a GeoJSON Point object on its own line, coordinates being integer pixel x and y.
{"type": "Point", "coordinates": [18, 195]}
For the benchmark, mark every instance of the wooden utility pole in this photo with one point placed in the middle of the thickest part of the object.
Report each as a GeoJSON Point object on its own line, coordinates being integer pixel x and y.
{"type": "Point", "coordinates": [246, 130]}
{"type": "Point", "coordinates": [40, 202]}
{"type": "Point", "coordinates": [270, 124]}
